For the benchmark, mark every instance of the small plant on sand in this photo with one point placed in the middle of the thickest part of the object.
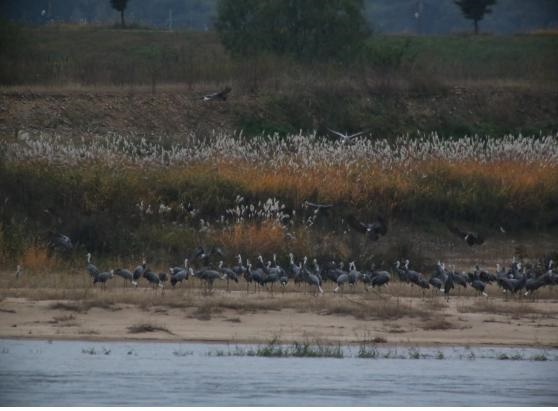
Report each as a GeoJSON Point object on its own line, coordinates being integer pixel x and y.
{"type": "Point", "coordinates": [515, 357]}
{"type": "Point", "coordinates": [367, 351]}
{"type": "Point", "coordinates": [367, 347]}
{"type": "Point", "coordinates": [182, 353]}
{"type": "Point", "coordinates": [414, 354]}
{"type": "Point", "coordinates": [272, 349]}
{"type": "Point", "coordinates": [275, 349]}
{"type": "Point", "coordinates": [147, 328]}
{"type": "Point", "coordinates": [217, 353]}
{"type": "Point", "coordinates": [307, 349]}
{"type": "Point", "coordinates": [67, 306]}
{"type": "Point", "coordinates": [439, 323]}
{"type": "Point", "coordinates": [241, 352]}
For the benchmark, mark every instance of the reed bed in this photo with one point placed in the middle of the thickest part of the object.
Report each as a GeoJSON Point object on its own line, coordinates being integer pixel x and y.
{"type": "Point", "coordinates": [245, 193]}
{"type": "Point", "coordinates": [295, 151]}
{"type": "Point", "coordinates": [470, 175]}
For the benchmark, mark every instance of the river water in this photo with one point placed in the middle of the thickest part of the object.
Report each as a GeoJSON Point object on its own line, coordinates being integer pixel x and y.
{"type": "Point", "coordinates": [84, 373]}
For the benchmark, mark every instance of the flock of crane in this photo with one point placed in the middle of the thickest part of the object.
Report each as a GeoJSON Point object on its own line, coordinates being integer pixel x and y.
{"type": "Point", "coordinates": [517, 280]}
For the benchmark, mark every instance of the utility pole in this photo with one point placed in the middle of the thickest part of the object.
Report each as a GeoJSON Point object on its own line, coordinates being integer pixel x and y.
{"type": "Point", "coordinates": [418, 16]}
{"type": "Point", "coordinates": [170, 19]}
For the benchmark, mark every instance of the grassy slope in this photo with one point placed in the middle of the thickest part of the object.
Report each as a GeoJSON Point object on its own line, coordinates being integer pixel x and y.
{"type": "Point", "coordinates": [454, 85]}
{"type": "Point", "coordinates": [83, 80]}
{"type": "Point", "coordinates": [520, 58]}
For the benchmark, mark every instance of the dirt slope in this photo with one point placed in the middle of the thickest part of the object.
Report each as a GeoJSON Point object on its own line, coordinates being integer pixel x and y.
{"type": "Point", "coordinates": [176, 109]}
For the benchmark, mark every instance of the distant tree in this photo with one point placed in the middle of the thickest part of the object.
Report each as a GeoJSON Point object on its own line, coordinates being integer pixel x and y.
{"type": "Point", "coordinates": [120, 5]}
{"type": "Point", "coordinates": [305, 29]}
{"type": "Point", "coordinates": [475, 10]}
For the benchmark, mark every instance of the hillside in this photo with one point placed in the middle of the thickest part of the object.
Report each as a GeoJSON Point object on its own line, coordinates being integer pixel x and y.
{"type": "Point", "coordinates": [176, 109]}
{"type": "Point", "coordinates": [68, 79]}
{"type": "Point", "coordinates": [101, 125]}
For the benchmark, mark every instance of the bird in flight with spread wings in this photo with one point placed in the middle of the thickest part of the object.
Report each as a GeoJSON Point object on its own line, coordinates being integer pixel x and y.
{"type": "Point", "coordinates": [347, 138]}
{"type": "Point", "coordinates": [220, 95]}
{"type": "Point", "coordinates": [372, 230]}
{"type": "Point", "coordinates": [470, 238]}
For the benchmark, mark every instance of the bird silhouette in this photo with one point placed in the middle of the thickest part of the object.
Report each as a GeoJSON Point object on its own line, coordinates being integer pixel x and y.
{"type": "Point", "coordinates": [60, 242]}
{"type": "Point", "coordinates": [372, 230]}
{"type": "Point", "coordinates": [469, 237]}
{"type": "Point", "coordinates": [220, 95]}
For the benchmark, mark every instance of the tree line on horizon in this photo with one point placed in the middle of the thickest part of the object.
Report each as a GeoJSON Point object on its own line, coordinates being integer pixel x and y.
{"type": "Point", "coordinates": [307, 29]}
{"type": "Point", "coordinates": [402, 16]}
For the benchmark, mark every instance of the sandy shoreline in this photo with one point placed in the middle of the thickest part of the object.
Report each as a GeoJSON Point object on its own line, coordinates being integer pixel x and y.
{"type": "Point", "coordinates": [463, 321]}
{"type": "Point", "coordinates": [233, 343]}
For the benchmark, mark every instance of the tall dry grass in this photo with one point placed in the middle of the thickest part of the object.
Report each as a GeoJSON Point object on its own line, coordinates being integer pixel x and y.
{"type": "Point", "coordinates": [133, 196]}
{"type": "Point", "coordinates": [266, 237]}
{"type": "Point", "coordinates": [462, 188]}
{"type": "Point", "coordinates": [37, 259]}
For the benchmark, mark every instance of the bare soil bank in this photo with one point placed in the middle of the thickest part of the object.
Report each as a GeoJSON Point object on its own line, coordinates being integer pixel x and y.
{"type": "Point", "coordinates": [175, 109]}
{"type": "Point", "coordinates": [294, 316]}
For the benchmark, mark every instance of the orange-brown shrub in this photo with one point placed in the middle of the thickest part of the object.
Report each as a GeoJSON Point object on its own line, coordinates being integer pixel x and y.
{"type": "Point", "coordinates": [37, 259]}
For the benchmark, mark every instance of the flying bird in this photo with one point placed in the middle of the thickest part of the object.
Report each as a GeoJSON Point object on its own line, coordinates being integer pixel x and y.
{"type": "Point", "coordinates": [372, 230]}
{"type": "Point", "coordinates": [203, 255]}
{"type": "Point", "coordinates": [220, 95]}
{"type": "Point", "coordinates": [61, 242]}
{"type": "Point", "coordinates": [316, 206]}
{"type": "Point", "coordinates": [289, 236]}
{"type": "Point", "coordinates": [470, 238]}
{"type": "Point", "coordinates": [346, 138]}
